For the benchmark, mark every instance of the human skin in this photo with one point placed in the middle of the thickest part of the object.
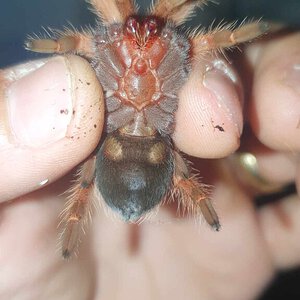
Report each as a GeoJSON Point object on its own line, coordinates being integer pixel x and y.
{"type": "Point", "coordinates": [166, 257]}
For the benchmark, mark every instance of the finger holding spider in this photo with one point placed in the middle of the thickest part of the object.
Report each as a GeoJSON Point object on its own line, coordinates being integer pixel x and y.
{"type": "Point", "coordinates": [145, 65]}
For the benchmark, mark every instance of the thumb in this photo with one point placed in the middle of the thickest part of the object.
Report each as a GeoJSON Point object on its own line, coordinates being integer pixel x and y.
{"type": "Point", "coordinates": [51, 118]}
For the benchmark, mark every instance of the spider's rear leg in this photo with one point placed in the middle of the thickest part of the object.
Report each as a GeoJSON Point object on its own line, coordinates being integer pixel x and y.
{"type": "Point", "coordinates": [193, 195]}
{"type": "Point", "coordinates": [225, 36]}
{"type": "Point", "coordinates": [78, 208]}
{"type": "Point", "coordinates": [68, 41]}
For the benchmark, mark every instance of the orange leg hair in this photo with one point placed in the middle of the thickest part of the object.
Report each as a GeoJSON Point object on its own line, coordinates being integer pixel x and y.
{"type": "Point", "coordinates": [68, 41]}
{"type": "Point", "coordinates": [193, 195]}
{"type": "Point", "coordinates": [226, 37]}
{"type": "Point", "coordinates": [176, 11]}
{"type": "Point", "coordinates": [78, 208]}
{"type": "Point", "coordinates": [113, 11]}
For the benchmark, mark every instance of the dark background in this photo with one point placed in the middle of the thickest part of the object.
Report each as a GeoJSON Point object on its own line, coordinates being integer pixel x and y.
{"type": "Point", "coordinates": [19, 18]}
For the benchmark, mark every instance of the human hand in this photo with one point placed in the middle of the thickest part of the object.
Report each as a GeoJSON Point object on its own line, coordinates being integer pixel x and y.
{"type": "Point", "coordinates": [166, 256]}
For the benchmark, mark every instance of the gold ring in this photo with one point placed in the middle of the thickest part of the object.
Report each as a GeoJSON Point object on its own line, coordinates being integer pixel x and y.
{"type": "Point", "coordinates": [246, 167]}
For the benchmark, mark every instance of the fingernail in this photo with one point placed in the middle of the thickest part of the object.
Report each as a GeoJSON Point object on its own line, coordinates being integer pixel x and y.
{"type": "Point", "coordinates": [39, 102]}
{"type": "Point", "coordinates": [292, 77]}
{"type": "Point", "coordinates": [222, 81]}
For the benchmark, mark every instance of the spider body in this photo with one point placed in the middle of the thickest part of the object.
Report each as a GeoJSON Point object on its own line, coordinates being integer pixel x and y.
{"type": "Point", "coordinates": [141, 66]}
{"type": "Point", "coordinates": [141, 63]}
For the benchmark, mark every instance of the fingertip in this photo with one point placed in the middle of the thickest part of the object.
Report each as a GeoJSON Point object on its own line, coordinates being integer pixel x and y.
{"type": "Point", "coordinates": [209, 118]}
{"type": "Point", "coordinates": [34, 156]}
{"type": "Point", "coordinates": [275, 105]}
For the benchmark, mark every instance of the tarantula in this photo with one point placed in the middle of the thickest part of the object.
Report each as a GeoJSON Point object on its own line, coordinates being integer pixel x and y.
{"type": "Point", "coordinates": [141, 63]}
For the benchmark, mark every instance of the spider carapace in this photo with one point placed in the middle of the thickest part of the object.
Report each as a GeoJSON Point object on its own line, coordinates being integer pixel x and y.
{"type": "Point", "coordinates": [141, 63]}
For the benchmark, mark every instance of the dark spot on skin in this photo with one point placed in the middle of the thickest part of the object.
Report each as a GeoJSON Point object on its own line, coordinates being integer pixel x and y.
{"type": "Point", "coordinates": [88, 83]}
{"type": "Point", "coordinates": [220, 128]}
{"type": "Point", "coordinates": [53, 128]}
{"type": "Point", "coordinates": [74, 111]}
{"type": "Point", "coordinates": [85, 132]}
{"type": "Point", "coordinates": [95, 126]}
{"type": "Point", "coordinates": [64, 111]}
{"type": "Point", "coordinates": [80, 80]}
{"type": "Point", "coordinates": [64, 90]}
{"type": "Point", "coordinates": [78, 138]}
{"type": "Point", "coordinates": [72, 137]}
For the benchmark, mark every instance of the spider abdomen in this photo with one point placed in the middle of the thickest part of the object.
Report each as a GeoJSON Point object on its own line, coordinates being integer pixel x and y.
{"type": "Point", "coordinates": [133, 174]}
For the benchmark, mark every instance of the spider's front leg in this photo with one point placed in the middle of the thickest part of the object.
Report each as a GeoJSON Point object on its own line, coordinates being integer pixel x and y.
{"type": "Point", "coordinates": [193, 195]}
{"type": "Point", "coordinates": [225, 36]}
{"type": "Point", "coordinates": [68, 41]}
{"type": "Point", "coordinates": [78, 208]}
{"type": "Point", "coordinates": [110, 12]}
{"type": "Point", "coordinates": [113, 11]}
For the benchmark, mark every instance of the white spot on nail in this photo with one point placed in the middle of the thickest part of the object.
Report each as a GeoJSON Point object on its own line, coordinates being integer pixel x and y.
{"type": "Point", "coordinates": [43, 182]}
{"type": "Point", "coordinates": [226, 69]}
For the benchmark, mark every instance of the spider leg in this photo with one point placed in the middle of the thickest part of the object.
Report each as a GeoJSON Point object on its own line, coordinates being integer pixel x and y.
{"type": "Point", "coordinates": [113, 11]}
{"type": "Point", "coordinates": [78, 208]}
{"type": "Point", "coordinates": [176, 10]}
{"type": "Point", "coordinates": [225, 36]}
{"type": "Point", "coordinates": [67, 41]}
{"type": "Point", "coordinates": [193, 195]}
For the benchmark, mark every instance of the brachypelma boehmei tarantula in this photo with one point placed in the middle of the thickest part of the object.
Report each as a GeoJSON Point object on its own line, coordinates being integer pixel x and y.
{"type": "Point", "coordinates": [141, 63]}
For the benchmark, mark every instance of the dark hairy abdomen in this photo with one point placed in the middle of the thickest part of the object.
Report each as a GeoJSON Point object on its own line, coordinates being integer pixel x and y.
{"type": "Point", "coordinates": [133, 174]}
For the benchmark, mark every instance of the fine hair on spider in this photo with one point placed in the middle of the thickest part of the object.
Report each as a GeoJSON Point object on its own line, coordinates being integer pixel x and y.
{"type": "Point", "coordinates": [141, 63]}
